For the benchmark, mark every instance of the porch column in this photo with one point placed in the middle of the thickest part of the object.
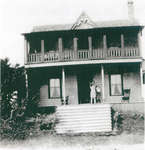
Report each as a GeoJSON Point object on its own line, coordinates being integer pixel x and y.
{"type": "Point", "coordinates": [141, 80]}
{"type": "Point", "coordinates": [122, 45]}
{"type": "Point", "coordinates": [104, 45]}
{"type": "Point", "coordinates": [26, 48]}
{"type": "Point", "coordinates": [122, 41]}
{"type": "Point", "coordinates": [90, 45]}
{"type": "Point", "coordinates": [75, 45]}
{"type": "Point", "coordinates": [60, 47]}
{"type": "Point", "coordinates": [42, 50]}
{"type": "Point", "coordinates": [63, 85]}
{"type": "Point", "coordinates": [139, 43]}
{"type": "Point", "coordinates": [102, 76]}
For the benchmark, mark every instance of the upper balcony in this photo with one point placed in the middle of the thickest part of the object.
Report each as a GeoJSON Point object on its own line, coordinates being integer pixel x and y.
{"type": "Point", "coordinates": [57, 47]}
{"type": "Point", "coordinates": [56, 56]}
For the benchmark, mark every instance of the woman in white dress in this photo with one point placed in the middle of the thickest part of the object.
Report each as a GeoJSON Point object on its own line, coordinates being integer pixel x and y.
{"type": "Point", "coordinates": [92, 92]}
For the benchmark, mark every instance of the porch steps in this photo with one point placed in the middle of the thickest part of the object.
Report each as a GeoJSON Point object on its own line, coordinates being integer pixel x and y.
{"type": "Point", "coordinates": [83, 118]}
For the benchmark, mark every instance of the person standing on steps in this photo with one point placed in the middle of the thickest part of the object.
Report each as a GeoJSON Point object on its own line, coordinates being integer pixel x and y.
{"type": "Point", "coordinates": [92, 92]}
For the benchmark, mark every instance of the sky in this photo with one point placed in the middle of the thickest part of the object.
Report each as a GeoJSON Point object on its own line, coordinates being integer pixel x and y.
{"type": "Point", "coordinates": [19, 16]}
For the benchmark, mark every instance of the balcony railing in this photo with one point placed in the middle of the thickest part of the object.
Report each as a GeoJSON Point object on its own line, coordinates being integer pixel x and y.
{"type": "Point", "coordinates": [70, 55]}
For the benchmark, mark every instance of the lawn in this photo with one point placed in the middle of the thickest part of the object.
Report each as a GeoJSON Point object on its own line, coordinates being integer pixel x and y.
{"type": "Point", "coordinates": [131, 137]}
{"type": "Point", "coordinates": [81, 142]}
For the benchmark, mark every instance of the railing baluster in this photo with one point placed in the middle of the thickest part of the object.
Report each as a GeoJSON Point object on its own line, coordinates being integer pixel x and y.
{"type": "Point", "coordinates": [55, 56]}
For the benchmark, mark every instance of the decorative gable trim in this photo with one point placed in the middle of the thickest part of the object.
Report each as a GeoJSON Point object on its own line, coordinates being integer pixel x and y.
{"type": "Point", "coordinates": [83, 22]}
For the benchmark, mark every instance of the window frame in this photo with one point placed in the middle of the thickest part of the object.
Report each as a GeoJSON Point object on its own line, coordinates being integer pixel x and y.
{"type": "Point", "coordinates": [110, 85]}
{"type": "Point", "coordinates": [49, 88]}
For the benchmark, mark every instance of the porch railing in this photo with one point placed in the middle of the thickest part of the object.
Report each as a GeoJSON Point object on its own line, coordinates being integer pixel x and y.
{"type": "Point", "coordinates": [70, 55]}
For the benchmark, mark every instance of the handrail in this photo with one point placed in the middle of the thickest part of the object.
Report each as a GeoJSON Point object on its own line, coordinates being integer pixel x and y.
{"type": "Point", "coordinates": [70, 55]}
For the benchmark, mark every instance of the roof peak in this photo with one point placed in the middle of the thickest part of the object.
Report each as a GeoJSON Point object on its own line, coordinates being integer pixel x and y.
{"type": "Point", "coordinates": [83, 22]}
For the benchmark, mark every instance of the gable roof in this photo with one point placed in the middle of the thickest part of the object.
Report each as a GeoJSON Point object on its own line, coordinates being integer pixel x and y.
{"type": "Point", "coordinates": [84, 22]}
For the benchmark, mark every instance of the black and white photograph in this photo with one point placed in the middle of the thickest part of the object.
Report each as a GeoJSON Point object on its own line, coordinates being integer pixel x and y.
{"type": "Point", "coordinates": [72, 74]}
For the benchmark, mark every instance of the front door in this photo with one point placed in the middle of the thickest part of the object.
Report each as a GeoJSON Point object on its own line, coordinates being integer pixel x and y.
{"type": "Point", "coordinates": [83, 88]}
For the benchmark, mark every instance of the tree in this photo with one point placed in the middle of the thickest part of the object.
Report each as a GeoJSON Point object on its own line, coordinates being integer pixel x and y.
{"type": "Point", "coordinates": [12, 81]}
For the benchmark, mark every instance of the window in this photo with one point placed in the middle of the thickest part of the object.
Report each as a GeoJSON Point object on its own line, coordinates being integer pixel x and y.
{"type": "Point", "coordinates": [54, 88]}
{"type": "Point", "coordinates": [115, 85]}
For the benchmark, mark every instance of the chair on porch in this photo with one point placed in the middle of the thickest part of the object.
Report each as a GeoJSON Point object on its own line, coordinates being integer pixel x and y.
{"type": "Point", "coordinates": [66, 100]}
{"type": "Point", "coordinates": [126, 95]}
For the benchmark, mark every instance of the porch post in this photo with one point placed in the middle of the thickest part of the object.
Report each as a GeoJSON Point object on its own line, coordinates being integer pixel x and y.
{"type": "Point", "coordinates": [122, 41]}
{"type": "Point", "coordinates": [102, 76]}
{"type": "Point", "coordinates": [122, 45]}
{"type": "Point", "coordinates": [90, 45]}
{"type": "Point", "coordinates": [75, 45]}
{"type": "Point", "coordinates": [42, 50]}
{"type": "Point", "coordinates": [105, 45]}
{"type": "Point", "coordinates": [63, 85]}
{"type": "Point", "coordinates": [139, 44]}
{"type": "Point", "coordinates": [60, 47]}
{"type": "Point", "coordinates": [141, 79]}
{"type": "Point", "coordinates": [26, 46]}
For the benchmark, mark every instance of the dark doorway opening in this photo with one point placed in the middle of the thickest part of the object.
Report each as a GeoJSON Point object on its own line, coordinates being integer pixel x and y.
{"type": "Point", "coordinates": [83, 87]}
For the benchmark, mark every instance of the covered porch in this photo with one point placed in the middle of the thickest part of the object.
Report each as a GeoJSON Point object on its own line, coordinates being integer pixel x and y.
{"type": "Point", "coordinates": [69, 85]}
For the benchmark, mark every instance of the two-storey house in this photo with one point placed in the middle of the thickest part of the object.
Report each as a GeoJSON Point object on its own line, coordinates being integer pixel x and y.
{"type": "Point", "coordinates": [62, 60]}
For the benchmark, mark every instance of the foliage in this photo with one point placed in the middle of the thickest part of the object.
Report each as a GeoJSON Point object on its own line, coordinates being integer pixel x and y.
{"type": "Point", "coordinates": [12, 80]}
{"type": "Point", "coordinates": [13, 103]}
{"type": "Point", "coordinates": [42, 123]}
{"type": "Point", "coordinates": [13, 129]}
{"type": "Point", "coordinates": [130, 122]}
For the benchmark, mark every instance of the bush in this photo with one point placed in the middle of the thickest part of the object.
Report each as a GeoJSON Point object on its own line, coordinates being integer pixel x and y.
{"type": "Point", "coordinates": [116, 120]}
{"type": "Point", "coordinates": [130, 122]}
{"type": "Point", "coordinates": [12, 130]}
{"type": "Point", "coordinates": [41, 123]}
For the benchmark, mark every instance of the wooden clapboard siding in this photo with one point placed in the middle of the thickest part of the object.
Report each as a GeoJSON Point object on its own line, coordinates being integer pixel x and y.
{"type": "Point", "coordinates": [49, 102]}
{"type": "Point", "coordinates": [83, 118]}
{"type": "Point", "coordinates": [133, 107]}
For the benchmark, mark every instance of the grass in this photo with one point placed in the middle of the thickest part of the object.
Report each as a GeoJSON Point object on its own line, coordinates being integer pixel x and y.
{"type": "Point", "coordinates": [84, 141]}
{"type": "Point", "coordinates": [131, 138]}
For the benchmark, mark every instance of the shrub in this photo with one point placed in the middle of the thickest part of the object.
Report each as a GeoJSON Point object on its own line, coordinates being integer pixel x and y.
{"type": "Point", "coordinates": [41, 123]}
{"type": "Point", "coordinates": [12, 130]}
{"type": "Point", "coordinates": [45, 121]}
{"type": "Point", "coordinates": [116, 120]}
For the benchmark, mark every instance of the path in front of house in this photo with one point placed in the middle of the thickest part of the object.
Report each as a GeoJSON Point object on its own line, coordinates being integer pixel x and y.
{"type": "Point", "coordinates": [125, 141]}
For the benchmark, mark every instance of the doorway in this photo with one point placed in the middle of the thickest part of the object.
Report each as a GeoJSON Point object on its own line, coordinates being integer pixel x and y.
{"type": "Point", "coordinates": [83, 87]}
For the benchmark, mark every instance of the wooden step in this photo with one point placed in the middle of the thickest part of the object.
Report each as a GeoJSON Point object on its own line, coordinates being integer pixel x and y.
{"type": "Point", "coordinates": [83, 118]}
{"type": "Point", "coordinates": [104, 113]}
{"type": "Point", "coordinates": [84, 106]}
{"type": "Point", "coordinates": [79, 119]}
{"type": "Point", "coordinates": [92, 124]}
{"type": "Point", "coordinates": [82, 130]}
{"type": "Point", "coordinates": [83, 111]}
{"type": "Point", "coordinates": [71, 122]}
